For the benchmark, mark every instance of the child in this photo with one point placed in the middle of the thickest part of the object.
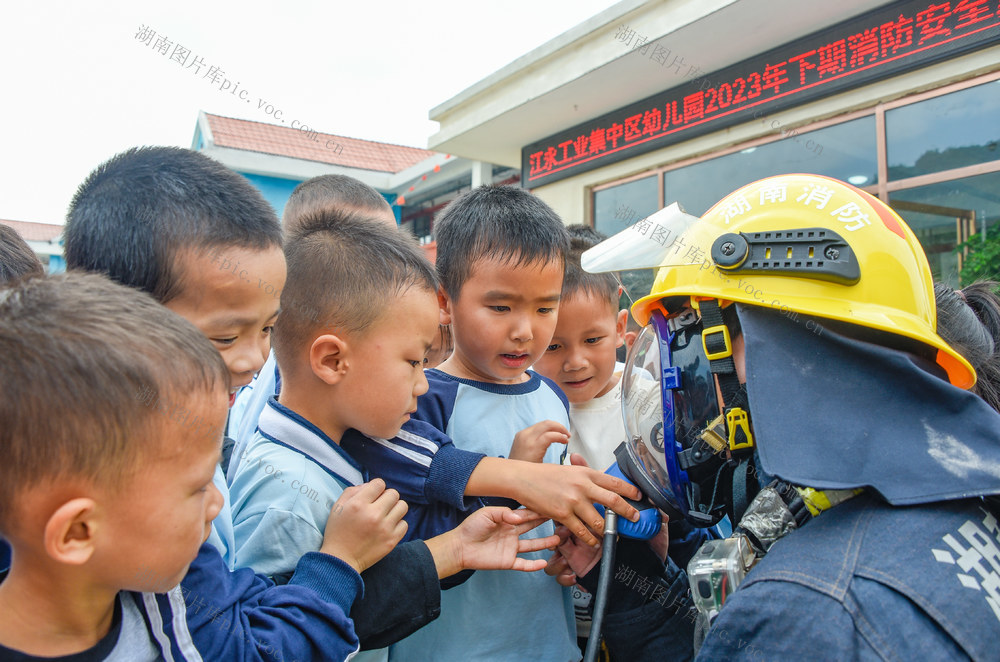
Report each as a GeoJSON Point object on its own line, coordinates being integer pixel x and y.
{"type": "Point", "coordinates": [17, 260]}
{"type": "Point", "coordinates": [107, 499]}
{"type": "Point", "coordinates": [352, 359]}
{"type": "Point", "coordinates": [581, 358]}
{"type": "Point", "coordinates": [344, 197]}
{"type": "Point", "coordinates": [501, 257]}
{"type": "Point", "coordinates": [202, 240]}
{"type": "Point", "coordinates": [336, 193]}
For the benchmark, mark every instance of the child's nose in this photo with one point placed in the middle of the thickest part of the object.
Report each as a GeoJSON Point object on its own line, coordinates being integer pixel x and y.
{"type": "Point", "coordinates": [250, 357]}
{"type": "Point", "coordinates": [574, 360]}
{"type": "Point", "coordinates": [421, 386]}
{"type": "Point", "coordinates": [522, 329]}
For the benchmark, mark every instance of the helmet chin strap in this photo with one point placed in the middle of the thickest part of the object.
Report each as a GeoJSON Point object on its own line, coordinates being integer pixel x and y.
{"type": "Point", "coordinates": [735, 443]}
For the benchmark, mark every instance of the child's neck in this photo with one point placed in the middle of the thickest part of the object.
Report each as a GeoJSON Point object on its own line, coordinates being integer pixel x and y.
{"type": "Point", "coordinates": [49, 612]}
{"type": "Point", "coordinates": [314, 409]}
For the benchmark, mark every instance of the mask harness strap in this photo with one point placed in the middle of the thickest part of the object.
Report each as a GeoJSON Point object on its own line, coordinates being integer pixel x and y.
{"type": "Point", "coordinates": [738, 442]}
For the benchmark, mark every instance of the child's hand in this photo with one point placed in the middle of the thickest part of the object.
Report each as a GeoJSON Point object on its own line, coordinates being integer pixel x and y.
{"type": "Point", "coordinates": [531, 443]}
{"type": "Point", "coordinates": [365, 524]}
{"type": "Point", "coordinates": [489, 539]}
{"type": "Point", "coordinates": [571, 559]}
{"type": "Point", "coordinates": [568, 494]}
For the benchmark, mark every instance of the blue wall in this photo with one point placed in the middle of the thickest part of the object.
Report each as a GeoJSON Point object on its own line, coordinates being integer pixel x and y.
{"type": "Point", "coordinates": [275, 190]}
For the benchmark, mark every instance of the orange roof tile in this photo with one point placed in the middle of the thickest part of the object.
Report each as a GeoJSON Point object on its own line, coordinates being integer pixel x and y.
{"type": "Point", "coordinates": [285, 141]}
{"type": "Point", "coordinates": [31, 231]}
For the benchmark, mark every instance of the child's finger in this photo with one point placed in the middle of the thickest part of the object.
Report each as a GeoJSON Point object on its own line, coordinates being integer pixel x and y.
{"type": "Point", "coordinates": [537, 544]}
{"type": "Point", "coordinates": [398, 511]}
{"type": "Point", "coordinates": [526, 565]}
{"type": "Point", "coordinates": [556, 564]}
{"type": "Point", "coordinates": [617, 504]}
{"type": "Point", "coordinates": [580, 530]}
{"type": "Point", "coordinates": [554, 426]}
{"type": "Point", "coordinates": [553, 437]}
{"type": "Point", "coordinates": [518, 516]}
{"type": "Point", "coordinates": [388, 500]}
{"type": "Point", "coordinates": [400, 530]}
{"type": "Point", "coordinates": [369, 491]}
{"type": "Point", "coordinates": [617, 485]}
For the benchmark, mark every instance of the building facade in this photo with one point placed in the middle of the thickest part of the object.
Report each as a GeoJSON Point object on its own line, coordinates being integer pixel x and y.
{"type": "Point", "coordinates": [416, 182]}
{"type": "Point", "coordinates": [650, 103]}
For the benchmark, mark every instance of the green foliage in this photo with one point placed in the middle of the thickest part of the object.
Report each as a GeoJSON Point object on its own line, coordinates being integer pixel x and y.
{"type": "Point", "coordinates": [983, 260]}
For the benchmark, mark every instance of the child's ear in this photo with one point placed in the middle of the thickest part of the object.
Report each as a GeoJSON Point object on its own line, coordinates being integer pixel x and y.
{"type": "Point", "coordinates": [69, 535]}
{"type": "Point", "coordinates": [444, 303]}
{"type": "Point", "coordinates": [620, 325]}
{"type": "Point", "coordinates": [328, 358]}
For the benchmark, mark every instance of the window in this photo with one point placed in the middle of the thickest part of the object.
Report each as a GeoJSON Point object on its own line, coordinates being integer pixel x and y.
{"type": "Point", "coordinates": [618, 207]}
{"type": "Point", "coordinates": [945, 132]}
{"type": "Point", "coordinates": [945, 214]}
{"type": "Point", "coordinates": [941, 169]}
{"type": "Point", "coordinates": [845, 151]}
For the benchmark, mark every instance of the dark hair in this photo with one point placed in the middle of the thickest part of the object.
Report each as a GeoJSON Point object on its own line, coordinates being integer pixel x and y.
{"type": "Point", "coordinates": [344, 272]}
{"type": "Point", "coordinates": [504, 223]}
{"type": "Point", "coordinates": [969, 321]}
{"type": "Point", "coordinates": [138, 210]}
{"type": "Point", "coordinates": [582, 238]}
{"type": "Point", "coordinates": [17, 260]}
{"type": "Point", "coordinates": [85, 361]}
{"type": "Point", "coordinates": [331, 192]}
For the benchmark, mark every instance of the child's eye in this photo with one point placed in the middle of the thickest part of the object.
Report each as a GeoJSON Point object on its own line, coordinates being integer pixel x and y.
{"type": "Point", "coordinates": [268, 330]}
{"type": "Point", "coordinates": [501, 309]}
{"type": "Point", "coordinates": [418, 364]}
{"type": "Point", "coordinates": [224, 341]}
{"type": "Point", "coordinates": [591, 341]}
{"type": "Point", "coordinates": [545, 311]}
{"type": "Point", "coordinates": [553, 347]}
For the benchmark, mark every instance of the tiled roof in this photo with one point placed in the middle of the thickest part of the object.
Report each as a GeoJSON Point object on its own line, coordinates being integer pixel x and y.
{"type": "Point", "coordinates": [312, 146]}
{"type": "Point", "coordinates": [31, 231]}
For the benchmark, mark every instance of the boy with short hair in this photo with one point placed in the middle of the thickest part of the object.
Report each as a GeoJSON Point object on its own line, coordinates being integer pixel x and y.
{"type": "Point", "coordinates": [342, 197]}
{"type": "Point", "coordinates": [339, 193]}
{"type": "Point", "coordinates": [17, 260]}
{"type": "Point", "coordinates": [352, 360]}
{"type": "Point", "coordinates": [107, 500]}
{"type": "Point", "coordinates": [501, 257]}
{"type": "Point", "coordinates": [199, 238]}
{"type": "Point", "coordinates": [581, 358]}
{"type": "Point", "coordinates": [203, 241]}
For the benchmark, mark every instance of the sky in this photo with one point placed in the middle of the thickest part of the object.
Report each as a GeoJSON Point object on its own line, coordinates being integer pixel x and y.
{"type": "Point", "coordinates": [78, 86]}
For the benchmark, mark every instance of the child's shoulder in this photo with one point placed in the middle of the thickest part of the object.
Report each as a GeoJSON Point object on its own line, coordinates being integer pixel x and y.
{"type": "Point", "coordinates": [550, 385]}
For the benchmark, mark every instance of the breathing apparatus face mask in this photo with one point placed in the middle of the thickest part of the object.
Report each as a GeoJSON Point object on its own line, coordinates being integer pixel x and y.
{"type": "Point", "coordinates": [669, 398]}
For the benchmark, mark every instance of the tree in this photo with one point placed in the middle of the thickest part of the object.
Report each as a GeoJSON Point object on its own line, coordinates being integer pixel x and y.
{"type": "Point", "coordinates": [983, 259]}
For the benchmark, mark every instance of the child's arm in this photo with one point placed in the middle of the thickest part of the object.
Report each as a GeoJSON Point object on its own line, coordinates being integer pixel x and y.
{"type": "Point", "coordinates": [427, 468]}
{"type": "Point", "coordinates": [243, 616]}
{"type": "Point", "coordinates": [566, 494]}
{"type": "Point", "coordinates": [402, 591]}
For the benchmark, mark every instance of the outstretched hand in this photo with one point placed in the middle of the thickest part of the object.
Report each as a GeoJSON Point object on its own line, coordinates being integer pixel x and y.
{"type": "Point", "coordinates": [568, 494]}
{"type": "Point", "coordinates": [489, 539]}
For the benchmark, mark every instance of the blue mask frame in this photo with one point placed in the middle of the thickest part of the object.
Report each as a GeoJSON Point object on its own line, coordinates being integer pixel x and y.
{"type": "Point", "coordinates": [688, 400]}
